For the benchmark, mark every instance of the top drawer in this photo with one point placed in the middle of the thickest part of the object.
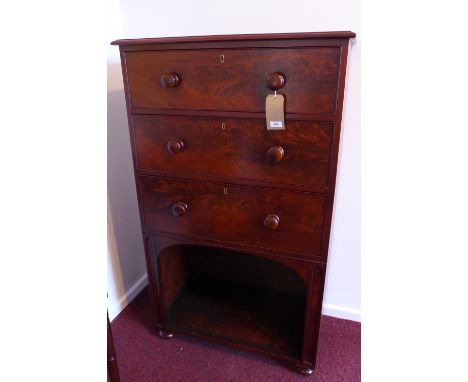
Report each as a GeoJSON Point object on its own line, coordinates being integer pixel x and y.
{"type": "Point", "coordinates": [234, 79]}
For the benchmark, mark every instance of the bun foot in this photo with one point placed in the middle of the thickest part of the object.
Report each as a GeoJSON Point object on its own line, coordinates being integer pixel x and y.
{"type": "Point", "coordinates": [164, 334]}
{"type": "Point", "coordinates": [305, 371]}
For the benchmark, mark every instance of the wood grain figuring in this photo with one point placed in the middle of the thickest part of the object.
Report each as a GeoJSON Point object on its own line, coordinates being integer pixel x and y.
{"type": "Point", "coordinates": [237, 216]}
{"type": "Point", "coordinates": [240, 151]}
{"type": "Point", "coordinates": [240, 83]}
{"type": "Point", "coordinates": [236, 219]}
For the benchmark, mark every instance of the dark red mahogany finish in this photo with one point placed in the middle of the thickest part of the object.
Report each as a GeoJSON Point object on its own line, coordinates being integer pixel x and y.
{"type": "Point", "coordinates": [234, 214]}
{"type": "Point", "coordinates": [240, 83]}
{"type": "Point", "coordinates": [240, 148]}
{"type": "Point", "coordinates": [236, 219]}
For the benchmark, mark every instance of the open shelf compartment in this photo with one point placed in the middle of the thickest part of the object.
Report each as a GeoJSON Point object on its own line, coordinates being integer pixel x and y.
{"type": "Point", "coordinates": [233, 297]}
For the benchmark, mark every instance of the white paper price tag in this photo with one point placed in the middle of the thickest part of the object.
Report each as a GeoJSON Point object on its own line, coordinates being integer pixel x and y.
{"type": "Point", "coordinates": [274, 112]}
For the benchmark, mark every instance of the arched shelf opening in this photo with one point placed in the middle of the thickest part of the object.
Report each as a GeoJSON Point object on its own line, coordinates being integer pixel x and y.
{"type": "Point", "coordinates": [232, 296]}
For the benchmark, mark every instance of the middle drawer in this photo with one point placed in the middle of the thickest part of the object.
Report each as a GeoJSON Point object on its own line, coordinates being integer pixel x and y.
{"type": "Point", "coordinates": [234, 148]}
{"type": "Point", "coordinates": [289, 221]}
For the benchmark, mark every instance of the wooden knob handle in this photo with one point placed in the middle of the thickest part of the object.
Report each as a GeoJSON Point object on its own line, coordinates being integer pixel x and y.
{"type": "Point", "coordinates": [179, 209]}
{"type": "Point", "coordinates": [275, 153]}
{"type": "Point", "coordinates": [276, 80]}
{"type": "Point", "coordinates": [170, 80]}
{"type": "Point", "coordinates": [175, 146]}
{"type": "Point", "coordinates": [271, 221]}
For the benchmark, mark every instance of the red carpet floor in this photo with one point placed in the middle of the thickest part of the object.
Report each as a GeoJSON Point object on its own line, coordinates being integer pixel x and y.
{"type": "Point", "coordinates": [144, 357]}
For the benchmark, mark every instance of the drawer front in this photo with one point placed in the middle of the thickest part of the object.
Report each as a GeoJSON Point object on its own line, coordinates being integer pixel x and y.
{"type": "Point", "coordinates": [237, 148]}
{"type": "Point", "coordinates": [274, 219]}
{"type": "Point", "coordinates": [198, 80]}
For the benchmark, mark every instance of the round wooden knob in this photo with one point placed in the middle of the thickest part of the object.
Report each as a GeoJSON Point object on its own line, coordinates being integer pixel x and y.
{"type": "Point", "coordinates": [179, 209]}
{"type": "Point", "coordinates": [271, 221]}
{"type": "Point", "coordinates": [170, 80]}
{"type": "Point", "coordinates": [275, 153]}
{"type": "Point", "coordinates": [175, 146]}
{"type": "Point", "coordinates": [276, 80]}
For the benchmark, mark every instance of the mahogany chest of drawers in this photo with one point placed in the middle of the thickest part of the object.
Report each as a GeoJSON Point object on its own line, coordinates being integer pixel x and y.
{"type": "Point", "coordinates": [236, 217]}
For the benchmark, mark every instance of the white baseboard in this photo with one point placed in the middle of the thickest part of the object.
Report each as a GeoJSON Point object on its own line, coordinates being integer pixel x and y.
{"type": "Point", "coordinates": [341, 312]}
{"type": "Point", "coordinates": [127, 298]}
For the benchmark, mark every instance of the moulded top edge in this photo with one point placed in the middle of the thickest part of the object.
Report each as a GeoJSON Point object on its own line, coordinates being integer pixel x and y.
{"type": "Point", "coordinates": [235, 37]}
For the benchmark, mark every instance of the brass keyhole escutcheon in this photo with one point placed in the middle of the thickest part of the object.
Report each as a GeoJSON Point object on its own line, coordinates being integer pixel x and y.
{"type": "Point", "coordinates": [225, 191]}
{"type": "Point", "coordinates": [221, 58]}
{"type": "Point", "coordinates": [223, 125]}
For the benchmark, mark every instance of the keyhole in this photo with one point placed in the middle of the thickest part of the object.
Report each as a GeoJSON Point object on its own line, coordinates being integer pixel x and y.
{"type": "Point", "coordinates": [221, 58]}
{"type": "Point", "coordinates": [223, 125]}
{"type": "Point", "coordinates": [225, 191]}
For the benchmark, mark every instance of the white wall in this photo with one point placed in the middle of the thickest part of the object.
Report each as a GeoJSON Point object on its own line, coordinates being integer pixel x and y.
{"type": "Point", "coordinates": [145, 18]}
{"type": "Point", "coordinates": [126, 274]}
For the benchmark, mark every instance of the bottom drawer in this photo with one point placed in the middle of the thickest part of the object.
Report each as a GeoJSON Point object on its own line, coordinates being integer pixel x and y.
{"type": "Point", "coordinates": [281, 220]}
